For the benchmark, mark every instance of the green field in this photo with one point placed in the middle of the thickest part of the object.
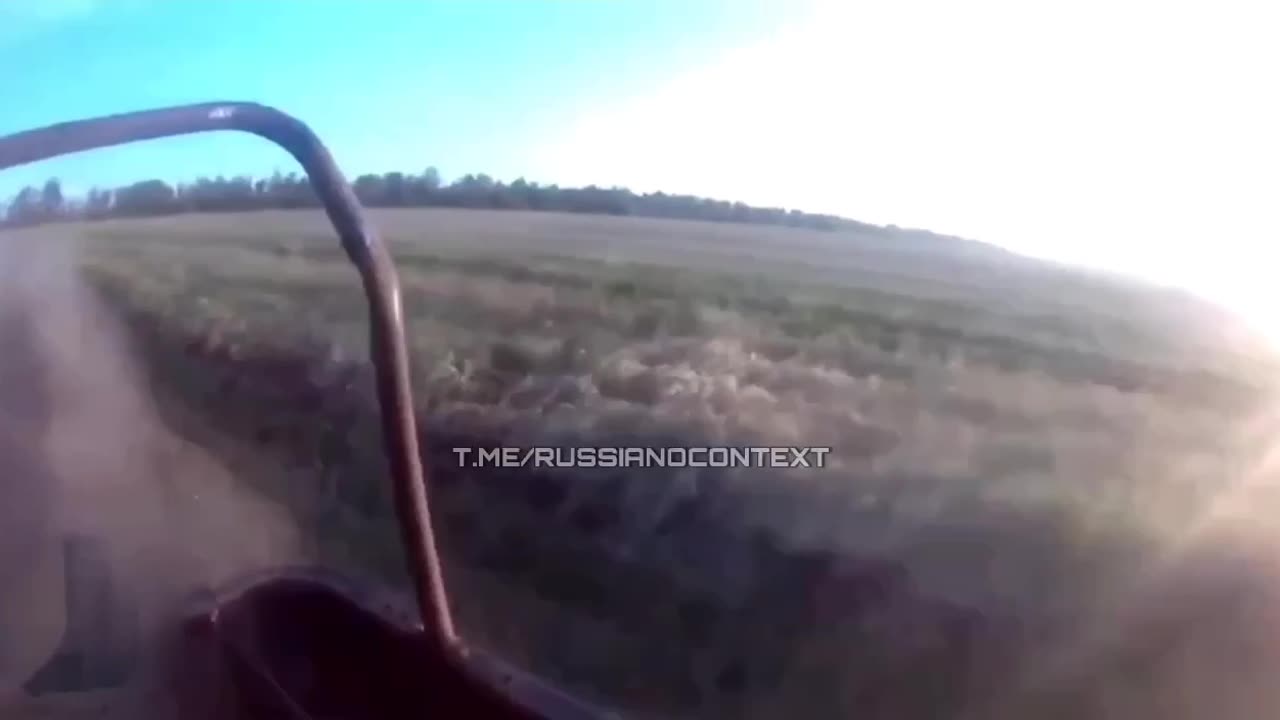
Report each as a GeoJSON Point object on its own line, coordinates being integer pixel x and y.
{"type": "Point", "coordinates": [1019, 450]}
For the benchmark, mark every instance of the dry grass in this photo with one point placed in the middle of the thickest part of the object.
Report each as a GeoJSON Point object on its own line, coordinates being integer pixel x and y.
{"type": "Point", "coordinates": [1018, 451]}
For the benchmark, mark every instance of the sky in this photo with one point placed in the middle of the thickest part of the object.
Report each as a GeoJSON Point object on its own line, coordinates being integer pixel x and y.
{"type": "Point", "coordinates": [1141, 136]}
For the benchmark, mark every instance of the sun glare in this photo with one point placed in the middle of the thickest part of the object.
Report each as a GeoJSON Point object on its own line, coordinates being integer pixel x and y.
{"type": "Point", "coordinates": [1134, 136]}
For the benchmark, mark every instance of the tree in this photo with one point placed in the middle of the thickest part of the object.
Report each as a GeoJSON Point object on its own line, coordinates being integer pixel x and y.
{"type": "Point", "coordinates": [51, 200]}
{"type": "Point", "coordinates": [97, 204]}
{"type": "Point", "coordinates": [149, 197]}
{"type": "Point", "coordinates": [25, 207]}
{"type": "Point", "coordinates": [396, 189]}
{"type": "Point", "coordinates": [370, 190]}
{"type": "Point", "coordinates": [431, 179]}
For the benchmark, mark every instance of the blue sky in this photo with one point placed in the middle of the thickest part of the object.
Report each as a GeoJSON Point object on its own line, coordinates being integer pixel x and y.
{"type": "Point", "coordinates": [1135, 135]}
{"type": "Point", "coordinates": [389, 84]}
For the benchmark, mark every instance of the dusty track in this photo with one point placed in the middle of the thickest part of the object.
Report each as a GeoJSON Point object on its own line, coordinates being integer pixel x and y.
{"type": "Point", "coordinates": [83, 451]}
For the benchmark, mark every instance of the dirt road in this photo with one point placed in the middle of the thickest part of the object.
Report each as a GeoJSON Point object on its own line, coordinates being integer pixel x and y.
{"type": "Point", "coordinates": [83, 453]}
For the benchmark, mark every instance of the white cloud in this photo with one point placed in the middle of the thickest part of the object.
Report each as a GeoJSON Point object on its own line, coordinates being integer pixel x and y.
{"type": "Point", "coordinates": [1138, 135]}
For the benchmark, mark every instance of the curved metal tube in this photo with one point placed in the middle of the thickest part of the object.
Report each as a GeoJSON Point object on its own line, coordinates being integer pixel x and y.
{"type": "Point", "coordinates": [377, 272]}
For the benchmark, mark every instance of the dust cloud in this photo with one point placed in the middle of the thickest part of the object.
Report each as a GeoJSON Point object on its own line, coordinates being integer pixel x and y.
{"type": "Point", "coordinates": [83, 452]}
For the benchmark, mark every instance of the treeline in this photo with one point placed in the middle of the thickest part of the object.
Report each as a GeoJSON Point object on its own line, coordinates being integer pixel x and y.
{"type": "Point", "coordinates": [156, 197]}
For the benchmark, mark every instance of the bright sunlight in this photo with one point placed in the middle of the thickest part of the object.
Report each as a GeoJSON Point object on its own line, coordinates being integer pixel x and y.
{"type": "Point", "coordinates": [1136, 136]}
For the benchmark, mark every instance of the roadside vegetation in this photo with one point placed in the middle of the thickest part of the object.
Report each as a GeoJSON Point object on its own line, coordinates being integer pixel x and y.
{"type": "Point", "coordinates": [1011, 455]}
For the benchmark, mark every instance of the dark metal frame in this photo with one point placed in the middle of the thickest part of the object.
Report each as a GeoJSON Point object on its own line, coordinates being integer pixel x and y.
{"type": "Point", "coordinates": [367, 252]}
{"type": "Point", "coordinates": [388, 351]}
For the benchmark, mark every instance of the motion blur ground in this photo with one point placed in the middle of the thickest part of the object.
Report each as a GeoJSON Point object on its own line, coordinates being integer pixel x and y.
{"type": "Point", "coordinates": [280, 642]}
{"type": "Point", "coordinates": [960, 469]}
{"type": "Point", "coordinates": [87, 455]}
{"type": "Point", "coordinates": [90, 468]}
{"type": "Point", "coordinates": [1043, 524]}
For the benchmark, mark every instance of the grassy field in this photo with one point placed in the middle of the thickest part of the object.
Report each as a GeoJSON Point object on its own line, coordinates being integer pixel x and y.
{"type": "Point", "coordinates": [1022, 454]}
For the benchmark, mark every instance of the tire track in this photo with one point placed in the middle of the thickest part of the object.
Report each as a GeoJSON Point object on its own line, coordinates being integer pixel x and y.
{"type": "Point", "coordinates": [83, 452]}
{"type": "Point", "coordinates": [30, 620]}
